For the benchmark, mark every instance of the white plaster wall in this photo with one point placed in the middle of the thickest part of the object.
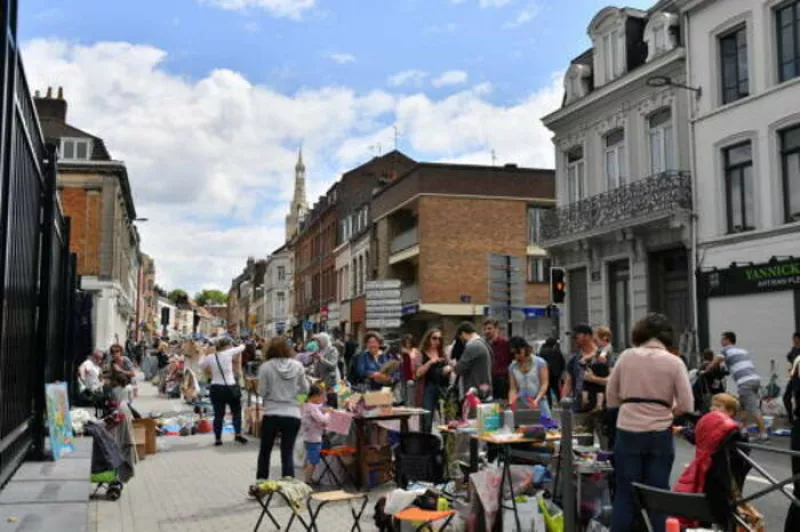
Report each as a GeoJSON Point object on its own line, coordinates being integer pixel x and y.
{"type": "Point", "coordinates": [769, 108]}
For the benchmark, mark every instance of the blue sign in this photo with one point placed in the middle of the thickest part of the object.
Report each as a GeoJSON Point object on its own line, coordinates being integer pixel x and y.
{"type": "Point", "coordinates": [410, 309]}
{"type": "Point", "coordinates": [308, 325]}
{"type": "Point", "coordinates": [531, 313]}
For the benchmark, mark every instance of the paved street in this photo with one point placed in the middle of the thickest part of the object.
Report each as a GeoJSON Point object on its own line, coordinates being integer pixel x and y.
{"type": "Point", "coordinates": [194, 485]}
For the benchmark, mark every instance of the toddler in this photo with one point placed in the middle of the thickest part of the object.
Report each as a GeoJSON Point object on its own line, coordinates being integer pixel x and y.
{"type": "Point", "coordinates": [593, 394]}
{"type": "Point", "coordinates": [315, 418]}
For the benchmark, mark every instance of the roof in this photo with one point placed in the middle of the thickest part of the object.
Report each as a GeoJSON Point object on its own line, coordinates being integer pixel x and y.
{"type": "Point", "coordinates": [54, 130]}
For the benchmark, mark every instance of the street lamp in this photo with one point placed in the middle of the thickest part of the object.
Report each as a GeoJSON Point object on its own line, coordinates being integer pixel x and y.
{"type": "Point", "coordinates": [666, 81]}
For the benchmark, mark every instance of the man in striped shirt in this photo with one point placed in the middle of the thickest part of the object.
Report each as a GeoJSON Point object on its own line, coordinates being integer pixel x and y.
{"type": "Point", "coordinates": [744, 373]}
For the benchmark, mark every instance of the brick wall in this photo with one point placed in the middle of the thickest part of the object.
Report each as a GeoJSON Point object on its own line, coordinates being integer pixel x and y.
{"type": "Point", "coordinates": [456, 234]}
{"type": "Point", "coordinates": [84, 207]}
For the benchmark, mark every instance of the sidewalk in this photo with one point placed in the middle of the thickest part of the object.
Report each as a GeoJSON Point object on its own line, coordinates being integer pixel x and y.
{"type": "Point", "coordinates": [195, 486]}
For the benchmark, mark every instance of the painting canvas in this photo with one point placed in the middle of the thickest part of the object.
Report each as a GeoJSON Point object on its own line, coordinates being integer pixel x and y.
{"type": "Point", "coordinates": [59, 419]}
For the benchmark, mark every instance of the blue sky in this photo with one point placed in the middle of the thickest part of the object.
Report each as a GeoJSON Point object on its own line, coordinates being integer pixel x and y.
{"type": "Point", "coordinates": [207, 100]}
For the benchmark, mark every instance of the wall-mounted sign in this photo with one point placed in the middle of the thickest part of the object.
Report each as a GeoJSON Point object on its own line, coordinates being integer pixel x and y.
{"type": "Point", "coordinates": [749, 279]}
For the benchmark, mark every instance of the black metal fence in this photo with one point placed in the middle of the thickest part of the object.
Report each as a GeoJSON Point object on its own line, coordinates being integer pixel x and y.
{"type": "Point", "coordinates": [37, 274]}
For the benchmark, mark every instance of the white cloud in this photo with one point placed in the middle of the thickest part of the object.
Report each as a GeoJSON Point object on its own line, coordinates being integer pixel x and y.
{"type": "Point", "coordinates": [407, 77]}
{"type": "Point", "coordinates": [524, 16]}
{"type": "Point", "coordinates": [486, 3]}
{"type": "Point", "coordinates": [211, 160]}
{"type": "Point", "coordinates": [342, 58]}
{"type": "Point", "coordinates": [279, 8]}
{"type": "Point", "coordinates": [451, 77]}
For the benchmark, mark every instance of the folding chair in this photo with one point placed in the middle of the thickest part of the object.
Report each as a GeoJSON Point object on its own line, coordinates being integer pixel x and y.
{"type": "Point", "coordinates": [333, 497]}
{"type": "Point", "coordinates": [266, 512]}
{"type": "Point", "coordinates": [694, 506]}
{"type": "Point", "coordinates": [336, 453]}
{"type": "Point", "coordinates": [426, 517]}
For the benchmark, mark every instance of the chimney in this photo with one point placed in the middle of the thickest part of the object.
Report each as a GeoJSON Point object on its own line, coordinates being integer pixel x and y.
{"type": "Point", "coordinates": [49, 107]}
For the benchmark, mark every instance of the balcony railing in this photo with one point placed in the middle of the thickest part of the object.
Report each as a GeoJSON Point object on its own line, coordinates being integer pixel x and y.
{"type": "Point", "coordinates": [409, 293]}
{"type": "Point", "coordinates": [660, 194]}
{"type": "Point", "coordinates": [405, 240]}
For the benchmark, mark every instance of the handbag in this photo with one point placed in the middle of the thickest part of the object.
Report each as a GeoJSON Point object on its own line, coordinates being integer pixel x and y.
{"type": "Point", "coordinates": [235, 390]}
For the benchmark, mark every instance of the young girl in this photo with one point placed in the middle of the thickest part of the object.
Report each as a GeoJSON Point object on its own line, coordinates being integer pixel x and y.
{"type": "Point", "coordinates": [315, 419]}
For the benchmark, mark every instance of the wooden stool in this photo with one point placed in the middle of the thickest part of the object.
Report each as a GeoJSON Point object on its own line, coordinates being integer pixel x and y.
{"type": "Point", "coordinates": [427, 517]}
{"type": "Point", "coordinates": [326, 497]}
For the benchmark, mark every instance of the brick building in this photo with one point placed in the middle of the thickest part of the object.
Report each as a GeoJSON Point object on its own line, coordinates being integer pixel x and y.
{"type": "Point", "coordinates": [95, 193]}
{"type": "Point", "coordinates": [314, 279]}
{"type": "Point", "coordinates": [147, 308]}
{"type": "Point", "coordinates": [434, 227]}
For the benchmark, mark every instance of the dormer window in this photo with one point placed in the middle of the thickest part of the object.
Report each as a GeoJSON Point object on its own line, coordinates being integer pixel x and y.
{"type": "Point", "coordinates": [608, 33]}
{"type": "Point", "coordinates": [659, 34]}
{"type": "Point", "coordinates": [577, 81]}
{"type": "Point", "coordinates": [76, 149]}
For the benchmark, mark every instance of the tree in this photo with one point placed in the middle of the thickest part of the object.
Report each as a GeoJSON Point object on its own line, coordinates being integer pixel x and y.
{"type": "Point", "coordinates": [178, 296]}
{"type": "Point", "coordinates": [210, 297]}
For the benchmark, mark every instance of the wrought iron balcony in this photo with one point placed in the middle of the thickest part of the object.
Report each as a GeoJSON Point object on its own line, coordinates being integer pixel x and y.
{"type": "Point", "coordinates": [641, 201]}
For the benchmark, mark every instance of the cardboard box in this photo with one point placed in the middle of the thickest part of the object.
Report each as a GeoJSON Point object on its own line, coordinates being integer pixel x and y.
{"type": "Point", "coordinates": [149, 438]}
{"type": "Point", "coordinates": [140, 440]}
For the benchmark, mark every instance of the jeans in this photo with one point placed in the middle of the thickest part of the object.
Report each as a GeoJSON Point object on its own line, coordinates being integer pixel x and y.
{"type": "Point", "coordinates": [430, 402]}
{"type": "Point", "coordinates": [646, 458]}
{"type": "Point", "coordinates": [793, 517]}
{"type": "Point", "coordinates": [500, 387]}
{"type": "Point", "coordinates": [221, 396]}
{"type": "Point", "coordinates": [271, 426]}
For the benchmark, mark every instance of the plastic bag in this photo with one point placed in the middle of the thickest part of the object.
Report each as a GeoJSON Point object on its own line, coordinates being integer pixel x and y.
{"type": "Point", "coordinates": [299, 452]}
{"type": "Point", "coordinates": [530, 515]}
{"type": "Point", "coordinates": [553, 516]}
{"type": "Point", "coordinates": [487, 486]}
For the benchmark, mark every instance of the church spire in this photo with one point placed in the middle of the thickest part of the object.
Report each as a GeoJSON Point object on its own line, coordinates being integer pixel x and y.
{"type": "Point", "coordinates": [299, 206]}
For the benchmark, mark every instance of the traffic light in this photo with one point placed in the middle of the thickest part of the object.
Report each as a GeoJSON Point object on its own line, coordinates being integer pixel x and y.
{"type": "Point", "coordinates": [558, 284]}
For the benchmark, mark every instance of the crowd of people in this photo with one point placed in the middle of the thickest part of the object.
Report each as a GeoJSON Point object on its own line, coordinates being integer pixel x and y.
{"type": "Point", "coordinates": [634, 401]}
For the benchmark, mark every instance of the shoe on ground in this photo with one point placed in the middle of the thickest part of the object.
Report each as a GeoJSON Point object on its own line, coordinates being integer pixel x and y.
{"type": "Point", "coordinates": [217, 443]}
{"type": "Point", "coordinates": [241, 439]}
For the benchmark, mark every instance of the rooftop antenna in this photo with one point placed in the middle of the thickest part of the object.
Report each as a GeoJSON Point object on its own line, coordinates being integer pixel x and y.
{"type": "Point", "coordinates": [396, 135]}
{"type": "Point", "coordinates": [494, 158]}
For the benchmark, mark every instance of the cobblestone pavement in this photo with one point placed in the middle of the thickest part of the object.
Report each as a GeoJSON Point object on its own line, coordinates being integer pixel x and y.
{"type": "Point", "coordinates": [194, 486]}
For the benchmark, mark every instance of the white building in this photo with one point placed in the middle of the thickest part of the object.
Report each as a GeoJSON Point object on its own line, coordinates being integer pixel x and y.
{"type": "Point", "coordinates": [745, 57]}
{"type": "Point", "coordinates": [344, 281]}
{"type": "Point", "coordinates": [622, 227]}
{"type": "Point", "coordinates": [166, 307]}
{"type": "Point", "coordinates": [278, 292]}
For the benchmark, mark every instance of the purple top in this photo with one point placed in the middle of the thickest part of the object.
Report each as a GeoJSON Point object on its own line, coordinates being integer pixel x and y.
{"type": "Point", "coordinates": [314, 422]}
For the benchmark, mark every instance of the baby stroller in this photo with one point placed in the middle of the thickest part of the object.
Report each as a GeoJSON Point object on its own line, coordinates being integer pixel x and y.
{"type": "Point", "coordinates": [110, 469]}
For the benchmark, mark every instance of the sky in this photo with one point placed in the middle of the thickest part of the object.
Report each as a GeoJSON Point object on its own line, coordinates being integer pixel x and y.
{"type": "Point", "coordinates": [207, 101]}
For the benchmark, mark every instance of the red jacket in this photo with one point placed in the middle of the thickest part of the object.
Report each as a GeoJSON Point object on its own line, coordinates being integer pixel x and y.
{"type": "Point", "coordinates": [711, 431]}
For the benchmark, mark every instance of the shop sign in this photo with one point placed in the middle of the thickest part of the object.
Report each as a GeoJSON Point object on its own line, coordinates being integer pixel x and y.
{"type": "Point", "coordinates": [737, 280]}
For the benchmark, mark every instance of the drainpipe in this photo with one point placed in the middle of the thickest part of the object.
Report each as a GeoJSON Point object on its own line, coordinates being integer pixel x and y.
{"type": "Point", "coordinates": [693, 179]}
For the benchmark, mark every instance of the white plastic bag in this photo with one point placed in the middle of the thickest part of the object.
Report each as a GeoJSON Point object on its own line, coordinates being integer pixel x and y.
{"type": "Point", "coordinates": [299, 452]}
{"type": "Point", "coordinates": [530, 518]}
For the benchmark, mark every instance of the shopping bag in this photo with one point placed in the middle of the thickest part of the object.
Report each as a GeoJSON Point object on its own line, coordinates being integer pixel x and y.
{"type": "Point", "coordinates": [339, 422]}
{"type": "Point", "coordinates": [553, 516]}
{"type": "Point", "coordinates": [531, 518]}
{"type": "Point", "coordinates": [299, 452]}
{"type": "Point", "coordinates": [596, 526]}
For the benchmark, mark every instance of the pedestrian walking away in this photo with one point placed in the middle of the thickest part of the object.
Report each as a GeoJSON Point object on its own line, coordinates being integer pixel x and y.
{"type": "Point", "coordinates": [225, 368]}
{"type": "Point", "coordinates": [501, 356]}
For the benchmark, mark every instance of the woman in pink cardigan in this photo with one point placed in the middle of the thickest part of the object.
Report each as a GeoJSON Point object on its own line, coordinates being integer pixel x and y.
{"type": "Point", "coordinates": [650, 386]}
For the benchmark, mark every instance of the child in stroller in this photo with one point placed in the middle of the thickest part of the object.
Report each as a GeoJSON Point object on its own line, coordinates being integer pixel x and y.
{"type": "Point", "coordinates": [709, 384]}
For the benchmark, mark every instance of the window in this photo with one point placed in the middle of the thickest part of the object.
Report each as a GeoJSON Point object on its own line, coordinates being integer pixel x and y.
{"type": "Point", "coordinates": [733, 51]}
{"type": "Point", "coordinates": [659, 39]}
{"type": "Point", "coordinates": [535, 225]}
{"type": "Point", "coordinates": [576, 182]}
{"type": "Point", "coordinates": [281, 304]}
{"type": "Point", "coordinates": [662, 153]}
{"type": "Point", "coordinates": [787, 23]}
{"type": "Point", "coordinates": [281, 273]}
{"type": "Point", "coordinates": [739, 187]}
{"type": "Point", "coordinates": [538, 270]}
{"type": "Point", "coordinates": [613, 51]}
{"type": "Point", "coordinates": [76, 149]}
{"type": "Point", "coordinates": [619, 277]}
{"type": "Point", "coordinates": [790, 165]}
{"type": "Point", "coordinates": [615, 158]}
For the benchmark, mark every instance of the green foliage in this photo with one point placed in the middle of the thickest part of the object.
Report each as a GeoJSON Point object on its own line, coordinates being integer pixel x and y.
{"type": "Point", "coordinates": [210, 297]}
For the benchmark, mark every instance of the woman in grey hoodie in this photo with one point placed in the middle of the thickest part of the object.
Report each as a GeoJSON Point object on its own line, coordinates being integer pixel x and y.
{"type": "Point", "coordinates": [326, 366]}
{"type": "Point", "coordinates": [280, 380]}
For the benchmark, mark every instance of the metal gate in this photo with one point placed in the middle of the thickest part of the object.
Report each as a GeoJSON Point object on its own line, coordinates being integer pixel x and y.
{"type": "Point", "coordinates": [36, 282]}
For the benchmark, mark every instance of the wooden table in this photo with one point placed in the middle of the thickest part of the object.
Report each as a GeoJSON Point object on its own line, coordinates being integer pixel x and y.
{"type": "Point", "coordinates": [361, 421]}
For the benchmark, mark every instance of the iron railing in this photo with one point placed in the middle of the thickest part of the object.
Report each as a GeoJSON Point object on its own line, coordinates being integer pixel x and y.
{"type": "Point", "coordinates": [37, 272]}
{"type": "Point", "coordinates": [658, 194]}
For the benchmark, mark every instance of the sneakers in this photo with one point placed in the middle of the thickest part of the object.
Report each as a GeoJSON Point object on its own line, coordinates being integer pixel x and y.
{"type": "Point", "coordinates": [241, 439]}
{"type": "Point", "coordinates": [217, 443]}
